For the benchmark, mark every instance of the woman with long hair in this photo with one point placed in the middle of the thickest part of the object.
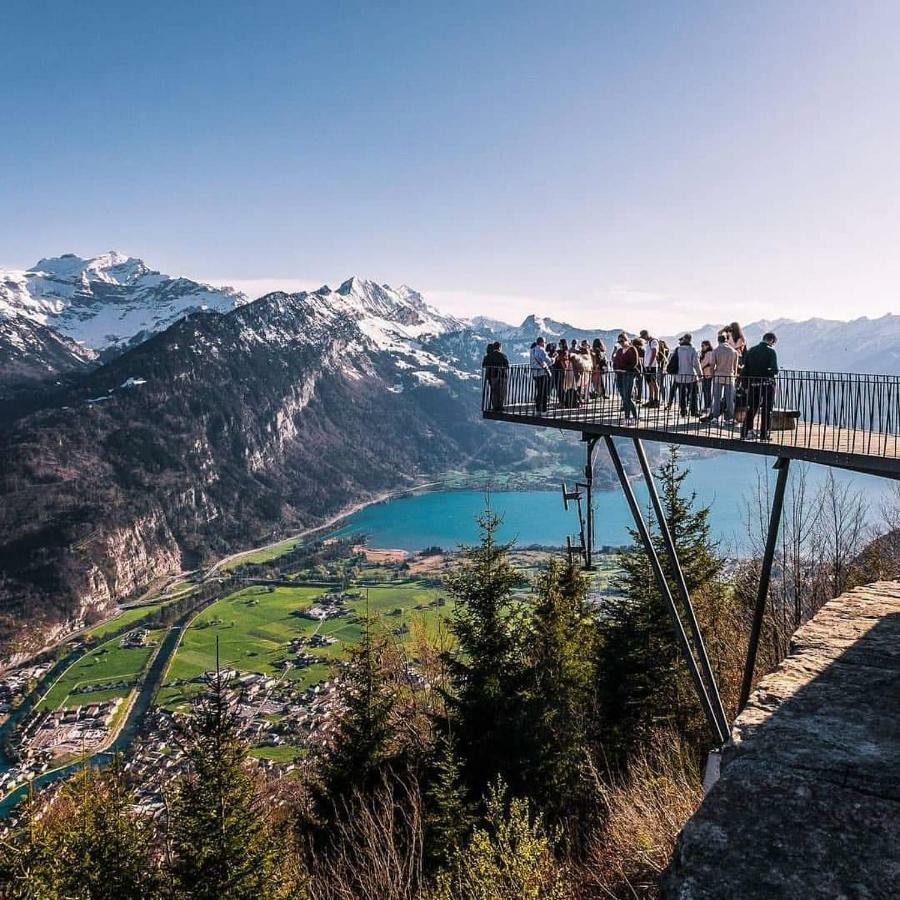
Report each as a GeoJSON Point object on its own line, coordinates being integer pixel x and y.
{"type": "Point", "coordinates": [601, 366]}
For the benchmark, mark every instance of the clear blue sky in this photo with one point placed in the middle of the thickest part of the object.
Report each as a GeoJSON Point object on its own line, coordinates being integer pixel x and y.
{"type": "Point", "coordinates": [602, 162]}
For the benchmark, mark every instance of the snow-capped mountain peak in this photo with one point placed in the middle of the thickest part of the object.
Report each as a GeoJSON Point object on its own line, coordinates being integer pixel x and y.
{"type": "Point", "coordinates": [107, 301]}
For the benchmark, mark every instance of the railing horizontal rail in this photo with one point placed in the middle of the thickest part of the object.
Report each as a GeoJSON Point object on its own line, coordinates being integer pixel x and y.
{"type": "Point", "coordinates": [847, 413]}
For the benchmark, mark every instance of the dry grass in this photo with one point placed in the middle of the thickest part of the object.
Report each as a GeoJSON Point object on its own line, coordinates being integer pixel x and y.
{"type": "Point", "coordinates": [376, 847]}
{"type": "Point", "coordinates": [645, 811]}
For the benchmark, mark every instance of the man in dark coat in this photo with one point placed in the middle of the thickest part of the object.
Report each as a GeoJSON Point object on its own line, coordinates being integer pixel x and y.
{"type": "Point", "coordinates": [759, 371]}
{"type": "Point", "coordinates": [496, 368]}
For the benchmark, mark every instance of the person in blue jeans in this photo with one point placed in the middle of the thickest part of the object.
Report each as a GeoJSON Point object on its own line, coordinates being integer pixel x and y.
{"type": "Point", "coordinates": [626, 365]}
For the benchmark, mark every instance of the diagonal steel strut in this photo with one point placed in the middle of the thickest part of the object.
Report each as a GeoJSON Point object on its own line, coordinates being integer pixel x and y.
{"type": "Point", "coordinates": [666, 592]}
{"type": "Point", "coordinates": [688, 607]}
{"type": "Point", "coordinates": [782, 465]}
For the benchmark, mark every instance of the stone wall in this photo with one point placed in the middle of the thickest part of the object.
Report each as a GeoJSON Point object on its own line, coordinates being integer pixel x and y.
{"type": "Point", "coordinates": [808, 801]}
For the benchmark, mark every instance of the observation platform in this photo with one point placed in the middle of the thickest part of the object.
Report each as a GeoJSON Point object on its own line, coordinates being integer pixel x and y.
{"type": "Point", "coordinates": [836, 419]}
{"type": "Point", "coordinates": [808, 800]}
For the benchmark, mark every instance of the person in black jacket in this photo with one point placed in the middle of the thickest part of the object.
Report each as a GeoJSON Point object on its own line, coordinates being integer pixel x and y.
{"type": "Point", "coordinates": [759, 371]}
{"type": "Point", "coordinates": [496, 366]}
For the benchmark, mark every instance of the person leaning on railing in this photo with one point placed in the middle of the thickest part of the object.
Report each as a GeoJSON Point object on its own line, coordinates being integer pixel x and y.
{"type": "Point", "coordinates": [539, 364]}
{"type": "Point", "coordinates": [759, 371]}
{"type": "Point", "coordinates": [497, 367]}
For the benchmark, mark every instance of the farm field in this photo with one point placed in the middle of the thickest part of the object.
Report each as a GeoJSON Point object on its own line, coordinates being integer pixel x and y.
{"type": "Point", "coordinates": [265, 555]}
{"type": "Point", "coordinates": [123, 619]}
{"type": "Point", "coordinates": [107, 664]}
{"type": "Point", "coordinates": [255, 625]}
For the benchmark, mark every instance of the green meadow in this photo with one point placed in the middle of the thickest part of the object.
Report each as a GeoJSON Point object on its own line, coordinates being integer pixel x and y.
{"type": "Point", "coordinates": [255, 625]}
{"type": "Point", "coordinates": [122, 620]}
{"type": "Point", "coordinates": [267, 554]}
{"type": "Point", "coordinates": [105, 665]}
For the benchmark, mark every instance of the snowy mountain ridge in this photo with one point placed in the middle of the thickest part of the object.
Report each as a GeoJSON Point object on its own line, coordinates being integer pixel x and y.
{"type": "Point", "coordinates": [105, 302]}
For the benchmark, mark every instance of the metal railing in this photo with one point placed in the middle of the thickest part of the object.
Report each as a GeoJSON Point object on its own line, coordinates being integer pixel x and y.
{"type": "Point", "coordinates": [825, 411]}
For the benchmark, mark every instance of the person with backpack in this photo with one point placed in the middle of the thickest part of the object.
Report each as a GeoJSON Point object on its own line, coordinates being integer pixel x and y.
{"type": "Point", "coordinates": [625, 365]}
{"type": "Point", "coordinates": [651, 368]}
{"type": "Point", "coordinates": [758, 373]}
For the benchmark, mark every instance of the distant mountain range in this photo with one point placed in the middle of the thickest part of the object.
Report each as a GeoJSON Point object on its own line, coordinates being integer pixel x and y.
{"type": "Point", "coordinates": [149, 423]}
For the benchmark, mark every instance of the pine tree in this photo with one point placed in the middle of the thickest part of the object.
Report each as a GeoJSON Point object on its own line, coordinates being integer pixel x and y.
{"type": "Point", "coordinates": [644, 682]}
{"type": "Point", "coordinates": [219, 844]}
{"type": "Point", "coordinates": [562, 664]}
{"type": "Point", "coordinates": [488, 669]}
{"type": "Point", "coordinates": [83, 843]}
{"type": "Point", "coordinates": [448, 814]}
{"type": "Point", "coordinates": [363, 742]}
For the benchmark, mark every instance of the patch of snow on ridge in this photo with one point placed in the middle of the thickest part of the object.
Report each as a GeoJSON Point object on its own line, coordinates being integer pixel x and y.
{"type": "Point", "coordinates": [429, 379]}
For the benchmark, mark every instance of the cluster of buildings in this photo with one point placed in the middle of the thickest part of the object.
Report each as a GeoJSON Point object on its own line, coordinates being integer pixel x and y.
{"type": "Point", "coordinates": [48, 738]}
{"type": "Point", "coordinates": [17, 684]}
{"type": "Point", "coordinates": [328, 606]}
{"type": "Point", "coordinates": [136, 638]}
{"type": "Point", "coordinates": [271, 713]}
{"type": "Point", "coordinates": [68, 732]}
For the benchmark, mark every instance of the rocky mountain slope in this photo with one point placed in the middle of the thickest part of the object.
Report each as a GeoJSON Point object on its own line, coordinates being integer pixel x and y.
{"type": "Point", "coordinates": [223, 428]}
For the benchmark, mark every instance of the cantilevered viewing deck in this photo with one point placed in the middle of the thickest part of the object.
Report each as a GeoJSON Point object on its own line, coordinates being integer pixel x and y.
{"type": "Point", "coordinates": [837, 419]}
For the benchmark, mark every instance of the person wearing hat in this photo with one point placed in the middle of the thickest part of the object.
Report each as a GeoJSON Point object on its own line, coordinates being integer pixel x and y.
{"type": "Point", "coordinates": [687, 375]}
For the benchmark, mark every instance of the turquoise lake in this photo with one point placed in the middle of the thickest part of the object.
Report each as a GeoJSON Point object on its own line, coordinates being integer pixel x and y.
{"type": "Point", "coordinates": [725, 482]}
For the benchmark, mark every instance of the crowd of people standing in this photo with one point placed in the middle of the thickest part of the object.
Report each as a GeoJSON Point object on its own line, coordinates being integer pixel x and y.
{"type": "Point", "coordinates": [711, 384]}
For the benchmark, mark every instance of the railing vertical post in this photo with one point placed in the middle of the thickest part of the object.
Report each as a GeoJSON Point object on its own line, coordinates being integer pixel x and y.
{"type": "Point", "coordinates": [782, 465]}
{"type": "Point", "coordinates": [664, 590]}
{"type": "Point", "coordinates": [712, 687]}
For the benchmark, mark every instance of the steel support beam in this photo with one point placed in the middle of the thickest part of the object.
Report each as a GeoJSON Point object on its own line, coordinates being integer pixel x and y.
{"type": "Point", "coordinates": [688, 607]}
{"type": "Point", "coordinates": [591, 441]}
{"type": "Point", "coordinates": [782, 465]}
{"type": "Point", "coordinates": [664, 589]}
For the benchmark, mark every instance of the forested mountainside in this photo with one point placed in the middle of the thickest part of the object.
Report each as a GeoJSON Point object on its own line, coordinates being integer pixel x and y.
{"type": "Point", "coordinates": [223, 428]}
